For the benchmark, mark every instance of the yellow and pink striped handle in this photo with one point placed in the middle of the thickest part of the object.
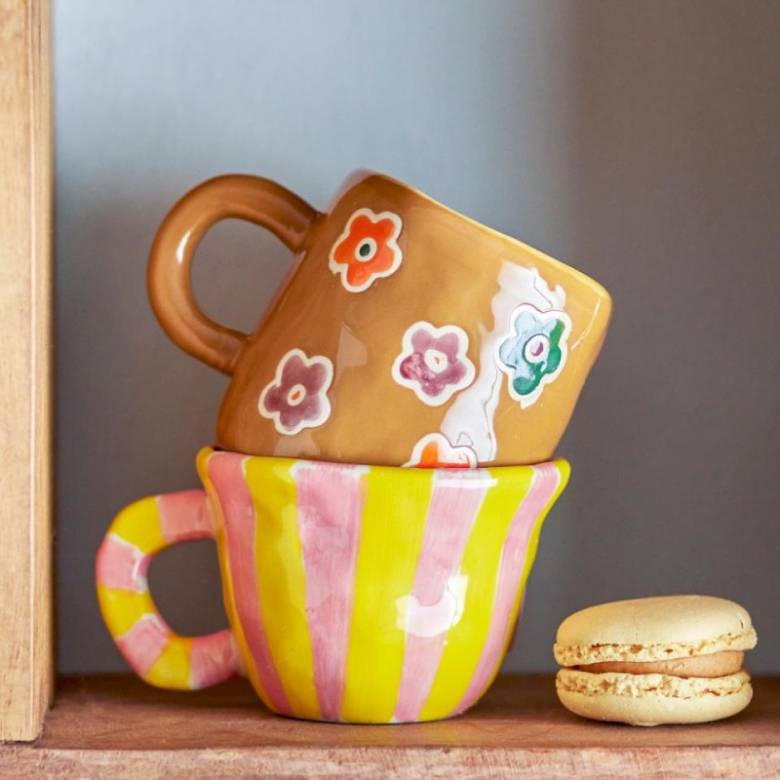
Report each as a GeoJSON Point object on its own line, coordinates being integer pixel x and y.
{"type": "Point", "coordinates": [154, 651]}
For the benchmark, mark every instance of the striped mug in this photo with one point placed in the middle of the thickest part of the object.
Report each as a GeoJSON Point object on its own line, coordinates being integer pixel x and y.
{"type": "Point", "coordinates": [365, 594]}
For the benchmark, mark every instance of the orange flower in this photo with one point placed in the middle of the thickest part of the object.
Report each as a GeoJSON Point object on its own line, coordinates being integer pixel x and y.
{"type": "Point", "coordinates": [367, 249]}
{"type": "Point", "coordinates": [434, 451]}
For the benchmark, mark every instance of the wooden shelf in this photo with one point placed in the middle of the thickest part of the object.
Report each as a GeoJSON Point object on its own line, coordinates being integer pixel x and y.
{"type": "Point", "coordinates": [118, 727]}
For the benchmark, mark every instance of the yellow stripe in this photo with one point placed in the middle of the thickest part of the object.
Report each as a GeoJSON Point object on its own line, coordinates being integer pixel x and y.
{"type": "Point", "coordinates": [391, 537]}
{"type": "Point", "coordinates": [282, 580]}
{"type": "Point", "coordinates": [228, 592]}
{"type": "Point", "coordinates": [139, 524]}
{"type": "Point", "coordinates": [480, 564]}
{"type": "Point", "coordinates": [172, 669]}
{"type": "Point", "coordinates": [121, 609]}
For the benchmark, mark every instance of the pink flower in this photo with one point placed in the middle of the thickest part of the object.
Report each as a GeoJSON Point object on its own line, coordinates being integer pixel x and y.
{"type": "Point", "coordinates": [433, 362]}
{"type": "Point", "coordinates": [297, 396]}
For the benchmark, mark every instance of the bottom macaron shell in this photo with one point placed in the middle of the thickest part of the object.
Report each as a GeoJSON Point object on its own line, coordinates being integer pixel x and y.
{"type": "Point", "coordinates": [652, 700]}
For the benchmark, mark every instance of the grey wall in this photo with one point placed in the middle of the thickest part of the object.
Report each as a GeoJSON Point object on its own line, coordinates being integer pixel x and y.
{"type": "Point", "coordinates": [638, 141]}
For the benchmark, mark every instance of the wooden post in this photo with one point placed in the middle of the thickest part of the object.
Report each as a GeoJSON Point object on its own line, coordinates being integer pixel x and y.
{"type": "Point", "coordinates": [25, 368]}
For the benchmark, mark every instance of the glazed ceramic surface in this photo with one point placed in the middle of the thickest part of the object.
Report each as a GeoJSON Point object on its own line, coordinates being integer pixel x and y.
{"type": "Point", "coordinates": [406, 334]}
{"type": "Point", "coordinates": [353, 593]}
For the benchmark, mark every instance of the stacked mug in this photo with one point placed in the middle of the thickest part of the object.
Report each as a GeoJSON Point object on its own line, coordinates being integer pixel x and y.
{"type": "Point", "coordinates": [382, 464]}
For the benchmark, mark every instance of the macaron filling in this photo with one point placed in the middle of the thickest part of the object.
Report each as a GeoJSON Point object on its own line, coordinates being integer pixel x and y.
{"type": "Point", "coordinates": [719, 664]}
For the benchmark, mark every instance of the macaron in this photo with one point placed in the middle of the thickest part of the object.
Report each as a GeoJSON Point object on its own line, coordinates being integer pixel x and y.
{"type": "Point", "coordinates": [666, 659]}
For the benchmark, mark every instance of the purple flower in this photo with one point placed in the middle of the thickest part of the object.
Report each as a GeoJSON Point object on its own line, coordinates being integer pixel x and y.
{"type": "Point", "coordinates": [433, 362]}
{"type": "Point", "coordinates": [297, 396]}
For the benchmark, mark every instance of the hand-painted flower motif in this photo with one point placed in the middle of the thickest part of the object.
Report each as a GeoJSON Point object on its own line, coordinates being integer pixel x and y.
{"type": "Point", "coordinates": [534, 352]}
{"type": "Point", "coordinates": [367, 249]}
{"type": "Point", "coordinates": [433, 362]}
{"type": "Point", "coordinates": [434, 451]}
{"type": "Point", "coordinates": [297, 396]}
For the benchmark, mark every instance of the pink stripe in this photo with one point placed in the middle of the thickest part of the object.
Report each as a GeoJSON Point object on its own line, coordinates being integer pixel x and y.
{"type": "Point", "coordinates": [330, 505]}
{"type": "Point", "coordinates": [185, 516]}
{"type": "Point", "coordinates": [213, 659]}
{"type": "Point", "coordinates": [513, 558]}
{"type": "Point", "coordinates": [142, 644]}
{"type": "Point", "coordinates": [454, 506]}
{"type": "Point", "coordinates": [122, 565]}
{"type": "Point", "coordinates": [226, 473]}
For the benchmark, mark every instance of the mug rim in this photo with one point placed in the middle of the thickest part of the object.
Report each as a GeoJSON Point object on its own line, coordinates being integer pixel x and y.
{"type": "Point", "coordinates": [562, 464]}
{"type": "Point", "coordinates": [361, 175]}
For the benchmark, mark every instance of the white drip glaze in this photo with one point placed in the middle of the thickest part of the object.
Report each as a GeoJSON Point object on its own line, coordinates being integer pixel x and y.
{"type": "Point", "coordinates": [469, 420]}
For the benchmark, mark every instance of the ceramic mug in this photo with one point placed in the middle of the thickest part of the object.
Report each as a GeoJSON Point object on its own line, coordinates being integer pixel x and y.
{"type": "Point", "coordinates": [365, 594]}
{"type": "Point", "coordinates": [406, 334]}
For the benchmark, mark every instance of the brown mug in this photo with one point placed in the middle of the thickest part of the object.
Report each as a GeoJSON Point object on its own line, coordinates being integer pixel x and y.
{"type": "Point", "coordinates": [405, 333]}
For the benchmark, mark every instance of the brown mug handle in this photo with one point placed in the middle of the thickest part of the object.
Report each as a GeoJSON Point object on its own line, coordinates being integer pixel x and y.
{"type": "Point", "coordinates": [252, 198]}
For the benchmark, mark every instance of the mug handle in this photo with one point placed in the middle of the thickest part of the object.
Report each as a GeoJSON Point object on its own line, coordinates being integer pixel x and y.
{"type": "Point", "coordinates": [156, 653]}
{"type": "Point", "coordinates": [257, 200]}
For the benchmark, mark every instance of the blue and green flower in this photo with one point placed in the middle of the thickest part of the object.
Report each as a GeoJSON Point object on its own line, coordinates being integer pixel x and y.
{"type": "Point", "coordinates": [534, 352]}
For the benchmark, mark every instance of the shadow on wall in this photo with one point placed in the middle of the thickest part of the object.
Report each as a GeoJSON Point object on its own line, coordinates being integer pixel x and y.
{"type": "Point", "coordinates": [138, 389]}
{"type": "Point", "coordinates": [674, 192]}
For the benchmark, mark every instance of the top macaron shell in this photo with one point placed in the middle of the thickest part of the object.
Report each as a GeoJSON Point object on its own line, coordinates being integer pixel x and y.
{"type": "Point", "coordinates": [652, 629]}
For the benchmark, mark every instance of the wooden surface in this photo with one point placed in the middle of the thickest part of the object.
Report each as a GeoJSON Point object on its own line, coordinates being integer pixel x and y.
{"type": "Point", "coordinates": [25, 318]}
{"type": "Point", "coordinates": [120, 728]}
